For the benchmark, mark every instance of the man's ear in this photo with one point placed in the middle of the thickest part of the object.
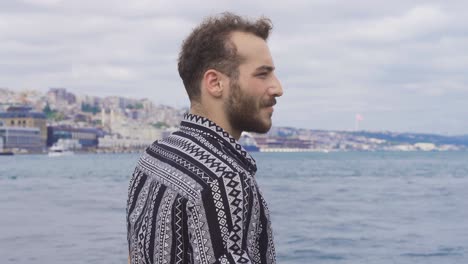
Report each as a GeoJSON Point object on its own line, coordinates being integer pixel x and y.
{"type": "Point", "coordinates": [213, 82]}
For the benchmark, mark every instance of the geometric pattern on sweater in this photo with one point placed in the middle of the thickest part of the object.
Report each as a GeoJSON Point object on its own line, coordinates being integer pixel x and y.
{"type": "Point", "coordinates": [193, 198]}
{"type": "Point", "coordinates": [195, 133]}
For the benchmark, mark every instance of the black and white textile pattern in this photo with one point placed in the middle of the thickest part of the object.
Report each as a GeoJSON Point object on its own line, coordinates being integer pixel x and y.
{"type": "Point", "coordinates": [193, 198]}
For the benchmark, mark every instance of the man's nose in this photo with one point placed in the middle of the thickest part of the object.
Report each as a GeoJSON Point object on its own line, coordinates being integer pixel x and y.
{"type": "Point", "coordinates": [277, 89]}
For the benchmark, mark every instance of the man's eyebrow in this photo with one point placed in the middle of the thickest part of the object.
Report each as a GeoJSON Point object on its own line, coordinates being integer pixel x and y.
{"type": "Point", "coordinates": [265, 68]}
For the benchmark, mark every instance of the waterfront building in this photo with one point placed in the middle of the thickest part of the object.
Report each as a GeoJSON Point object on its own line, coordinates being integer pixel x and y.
{"type": "Point", "coordinates": [87, 137]}
{"type": "Point", "coordinates": [248, 142]}
{"type": "Point", "coordinates": [425, 146]}
{"type": "Point", "coordinates": [264, 141]}
{"type": "Point", "coordinates": [21, 139]}
{"type": "Point", "coordinates": [23, 116]}
{"type": "Point", "coordinates": [115, 142]}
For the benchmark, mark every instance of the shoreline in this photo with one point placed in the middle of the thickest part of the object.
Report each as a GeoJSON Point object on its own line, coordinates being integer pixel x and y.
{"type": "Point", "coordinates": [261, 150]}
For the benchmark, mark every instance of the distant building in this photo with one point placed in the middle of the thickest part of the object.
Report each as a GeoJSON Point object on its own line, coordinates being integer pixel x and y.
{"type": "Point", "coordinates": [21, 138]}
{"type": "Point", "coordinates": [87, 137]}
{"type": "Point", "coordinates": [60, 96]}
{"type": "Point", "coordinates": [116, 142]}
{"type": "Point", "coordinates": [23, 116]}
{"type": "Point", "coordinates": [424, 146]}
{"type": "Point", "coordinates": [168, 131]}
{"type": "Point", "coordinates": [281, 142]}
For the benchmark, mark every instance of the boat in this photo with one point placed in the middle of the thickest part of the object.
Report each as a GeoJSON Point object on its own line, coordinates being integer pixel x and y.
{"type": "Point", "coordinates": [248, 142]}
{"type": "Point", "coordinates": [57, 151]}
{"type": "Point", "coordinates": [64, 147]}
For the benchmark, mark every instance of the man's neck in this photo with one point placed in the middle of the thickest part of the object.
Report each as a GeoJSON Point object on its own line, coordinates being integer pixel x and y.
{"type": "Point", "coordinates": [218, 117]}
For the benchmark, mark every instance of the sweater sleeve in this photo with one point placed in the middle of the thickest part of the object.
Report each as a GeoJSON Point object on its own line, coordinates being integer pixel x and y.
{"type": "Point", "coordinates": [216, 222]}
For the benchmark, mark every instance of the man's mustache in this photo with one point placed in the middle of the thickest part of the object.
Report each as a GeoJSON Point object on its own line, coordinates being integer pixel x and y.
{"type": "Point", "coordinates": [268, 103]}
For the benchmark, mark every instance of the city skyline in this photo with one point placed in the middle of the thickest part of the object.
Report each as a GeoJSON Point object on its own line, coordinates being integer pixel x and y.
{"type": "Point", "coordinates": [400, 66]}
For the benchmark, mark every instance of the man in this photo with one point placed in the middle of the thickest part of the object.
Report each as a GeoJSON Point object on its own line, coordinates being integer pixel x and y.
{"type": "Point", "coordinates": [193, 197]}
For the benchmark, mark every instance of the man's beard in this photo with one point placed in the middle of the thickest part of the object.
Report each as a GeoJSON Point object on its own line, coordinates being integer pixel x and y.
{"type": "Point", "coordinates": [243, 111]}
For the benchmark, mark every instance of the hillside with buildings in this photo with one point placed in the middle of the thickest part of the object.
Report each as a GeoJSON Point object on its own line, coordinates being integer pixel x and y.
{"type": "Point", "coordinates": [32, 122]}
{"type": "Point", "coordinates": [293, 139]}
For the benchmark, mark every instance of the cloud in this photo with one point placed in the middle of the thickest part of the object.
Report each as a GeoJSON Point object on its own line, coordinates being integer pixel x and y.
{"type": "Point", "coordinates": [418, 21]}
{"type": "Point", "coordinates": [46, 3]}
{"type": "Point", "coordinates": [387, 60]}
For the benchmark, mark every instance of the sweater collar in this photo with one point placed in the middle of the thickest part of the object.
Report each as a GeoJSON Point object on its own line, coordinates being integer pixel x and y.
{"type": "Point", "coordinates": [217, 132]}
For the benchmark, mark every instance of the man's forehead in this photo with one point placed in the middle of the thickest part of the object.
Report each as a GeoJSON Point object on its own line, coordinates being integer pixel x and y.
{"type": "Point", "coordinates": [252, 48]}
{"type": "Point", "coordinates": [247, 41]}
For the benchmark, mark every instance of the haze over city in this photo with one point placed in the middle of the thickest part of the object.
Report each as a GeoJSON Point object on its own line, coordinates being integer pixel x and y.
{"type": "Point", "coordinates": [399, 65]}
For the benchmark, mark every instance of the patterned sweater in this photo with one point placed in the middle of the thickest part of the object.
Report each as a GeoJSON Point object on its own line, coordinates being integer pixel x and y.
{"type": "Point", "coordinates": [193, 198]}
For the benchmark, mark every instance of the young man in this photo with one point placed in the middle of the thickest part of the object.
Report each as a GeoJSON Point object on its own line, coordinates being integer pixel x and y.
{"type": "Point", "coordinates": [193, 197]}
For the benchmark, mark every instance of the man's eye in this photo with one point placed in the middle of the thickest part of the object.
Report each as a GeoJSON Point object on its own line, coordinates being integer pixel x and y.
{"type": "Point", "coordinates": [262, 74]}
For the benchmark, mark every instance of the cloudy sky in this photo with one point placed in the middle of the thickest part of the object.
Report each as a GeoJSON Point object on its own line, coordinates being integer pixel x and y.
{"type": "Point", "coordinates": [402, 65]}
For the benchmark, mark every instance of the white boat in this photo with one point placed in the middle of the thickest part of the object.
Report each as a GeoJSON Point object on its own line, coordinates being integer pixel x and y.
{"type": "Point", "coordinates": [64, 147]}
{"type": "Point", "coordinates": [57, 151]}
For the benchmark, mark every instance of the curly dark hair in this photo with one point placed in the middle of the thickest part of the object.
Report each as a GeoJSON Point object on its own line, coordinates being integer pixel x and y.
{"type": "Point", "coordinates": [208, 47]}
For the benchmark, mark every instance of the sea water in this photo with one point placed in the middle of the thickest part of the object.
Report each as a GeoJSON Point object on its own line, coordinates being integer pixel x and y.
{"type": "Point", "coordinates": [348, 207]}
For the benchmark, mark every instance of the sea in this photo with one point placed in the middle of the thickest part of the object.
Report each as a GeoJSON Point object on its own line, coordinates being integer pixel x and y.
{"type": "Point", "coordinates": [339, 207]}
